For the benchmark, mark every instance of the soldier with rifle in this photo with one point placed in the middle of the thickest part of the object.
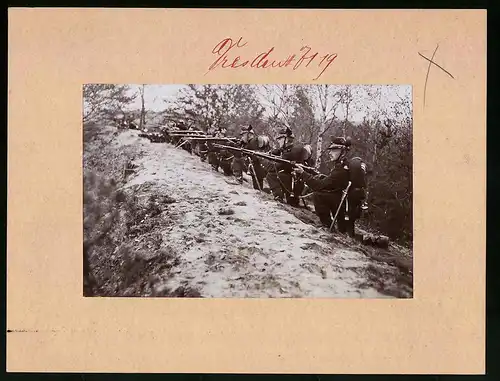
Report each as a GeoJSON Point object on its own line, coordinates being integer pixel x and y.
{"type": "Point", "coordinates": [342, 192]}
{"type": "Point", "coordinates": [279, 176]}
{"type": "Point", "coordinates": [194, 144]}
{"type": "Point", "coordinates": [267, 157]}
{"type": "Point", "coordinates": [184, 144]}
{"type": "Point", "coordinates": [183, 132]}
{"type": "Point", "coordinates": [225, 158]}
{"type": "Point", "coordinates": [131, 124]}
{"type": "Point", "coordinates": [205, 145]}
{"type": "Point", "coordinates": [250, 141]}
{"type": "Point", "coordinates": [172, 132]}
{"type": "Point", "coordinates": [217, 158]}
{"type": "Point", "coordinates": [213, 153]}
{"type": "Point", "coordinates": [164, 130]}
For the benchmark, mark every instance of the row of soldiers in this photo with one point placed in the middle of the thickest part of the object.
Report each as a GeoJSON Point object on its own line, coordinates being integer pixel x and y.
{"type": "Point", "coordinates": [339, 197]}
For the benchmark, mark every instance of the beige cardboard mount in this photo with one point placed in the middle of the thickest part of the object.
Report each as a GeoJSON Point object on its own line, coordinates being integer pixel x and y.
{"type": "Point", "coordinates": [52, 52]}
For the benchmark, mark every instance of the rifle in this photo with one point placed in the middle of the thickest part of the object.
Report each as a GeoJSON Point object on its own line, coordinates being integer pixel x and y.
{"type": "Point", "coordinates": [187, 135]}
{"type": "Point", "coordinates": [212, 139]}
{"type": "Point", "coordinates": [276, 159]}
{"type": "Point", "coordinates": [184, 132]}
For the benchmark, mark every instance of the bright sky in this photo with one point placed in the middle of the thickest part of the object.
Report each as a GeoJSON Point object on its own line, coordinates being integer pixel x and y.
{"type": "Point", "coordinates": [156, 95]}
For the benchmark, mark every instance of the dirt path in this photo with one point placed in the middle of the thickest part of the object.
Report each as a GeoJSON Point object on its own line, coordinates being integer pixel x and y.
{"type": "Point", "coordinates": [233, 241]}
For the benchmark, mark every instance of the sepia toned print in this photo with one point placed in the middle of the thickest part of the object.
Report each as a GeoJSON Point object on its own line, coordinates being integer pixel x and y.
{"type": "Point", "coordinates": [248, 191]}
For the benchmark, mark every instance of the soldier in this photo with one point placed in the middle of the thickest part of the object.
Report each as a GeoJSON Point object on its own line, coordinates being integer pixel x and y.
{"type": "Point", "coordinates": [203, 150]}
{"type": "Point", "coordinates": [208, 151]}
{"type": "Point", "coordinates": [186, 144]}
{"type": "Point", "coordinates": [221, 132]}
{"type": "Point", "coordinates": [279, 176]}
{"type": "Point", "coordinates": [192, 146]}
{"type": "Point", "coordinates": [220, 158]}
{"type": "Point", "coordinates": [249, 140]}
{"type": "Point", "coordinates": [181, 126]}
{"type": "Point", "coordinates": [299, 185]}
{"type": "Point", "coordinates": [131, 124]}
{"type": "Point", "coordinates": [328, 189]}
{"type": "Point", "coordinates": [118, 120]}
{"type": "Point", "coordinates": [213, 153]}
{"type": "Point", "coordinates": [226, 157]}
{"type": "Point", "coordinates": [356, 197]}
{"type": "Point", "coordinates": [165, 134]}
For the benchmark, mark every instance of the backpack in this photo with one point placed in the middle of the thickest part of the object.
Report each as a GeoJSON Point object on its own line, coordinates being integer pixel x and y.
{"type": "Point", "coordinates": [263, 142]}
{"type": "Point", "coordinates": [357, 173]}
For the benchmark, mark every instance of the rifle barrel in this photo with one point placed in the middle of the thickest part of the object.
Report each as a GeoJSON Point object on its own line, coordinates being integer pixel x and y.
{"type": "Point", "coordinates": [265, 156]}
{"type": "Point", "coordinates": [187, 136]}
{"type": "Point", "coordinates": [184, 132]}
{"type": "Point", "coordinates": [212, 138]}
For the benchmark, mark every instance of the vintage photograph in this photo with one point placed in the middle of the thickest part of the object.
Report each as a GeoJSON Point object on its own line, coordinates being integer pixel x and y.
{"type": "Point", "coordinates": [247, 191]}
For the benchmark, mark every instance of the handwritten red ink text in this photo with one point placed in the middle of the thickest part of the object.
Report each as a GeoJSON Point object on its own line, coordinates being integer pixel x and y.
{"type": "Point", "coordinates": [225, 51]}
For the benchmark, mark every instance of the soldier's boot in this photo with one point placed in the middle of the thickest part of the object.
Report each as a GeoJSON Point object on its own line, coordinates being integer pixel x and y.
{"type": "Point", "coordinates": [227, 170]}
{"type": "Point", "coordinates": [278, 195]}
{"type": "Point", "coordinates": [292, 200]}
{"type": "Point", "coordinates": [342, 224]}
{"type": "Point", "coordinates": [326, 220]}
{"type": "Point", "coordinates": [261, 183]}
{"type": "Point", "coordinates": [322, 211]}
{"type": "Point", "coordinates": [237, 171]}
{"type": "Point", "coordinates": [349, 224]}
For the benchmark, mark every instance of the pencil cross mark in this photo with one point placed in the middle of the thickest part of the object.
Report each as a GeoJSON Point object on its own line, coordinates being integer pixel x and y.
{"type": "Point", "coordinates": [431, 62]}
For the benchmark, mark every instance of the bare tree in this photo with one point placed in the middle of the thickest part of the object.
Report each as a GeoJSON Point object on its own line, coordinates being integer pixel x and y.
{"type": "Point", "coordinates": [346, 98]}
{"type": "Point", "coordinates": [279, 101]}
{"type": "Point", "coordinates": [326, 99]}
{"type": "Point", "coordinates": [143, 109]}
{"type": "Point", "coordinates": [303, 118]}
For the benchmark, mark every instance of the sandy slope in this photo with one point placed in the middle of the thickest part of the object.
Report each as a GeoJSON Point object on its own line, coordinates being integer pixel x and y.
{"type": "Point", "coordinates": [261, 250]}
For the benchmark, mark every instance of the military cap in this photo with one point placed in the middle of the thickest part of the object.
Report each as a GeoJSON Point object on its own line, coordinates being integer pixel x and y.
{"type": "Point", "coordinates": [286, 133]}
{"type": "Point", "coordinates": [248, 129]}
{"type": "Point", "coordinates": [340, 142]}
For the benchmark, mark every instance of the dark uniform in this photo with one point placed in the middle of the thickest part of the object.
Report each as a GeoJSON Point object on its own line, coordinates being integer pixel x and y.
{"type": "Point", "coordinates": [225, 159]}
{"type": "Point", "coordinates": [279, 175]}
{"type": "Point", "coordinates": [203, 150]}
{"type": "Point", "coordinates": [164, 134]}
{"type": "Point", "coordinates": [253, 164]}
{"type": "Point", "coordinates": [220, 158]}
{"type": "Point", "coordinates": [188, 145]}
{"type": "Point", "coordinates": [178, 128]}
{"type": "Point", "coordinates": [357, 193]}
{"type": "Point", "coordinates": [178, 141]}
{"type": "Point", "coordinates": [328, 189]}
{"type": "Point", "coordinates": [328, 193]}
{"type": "Point", "coordinates": [133, 126]}
{"type": "Point", "coordinates": [213, 156]}
{"type": "Point", "coordinates": [212, 152]}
